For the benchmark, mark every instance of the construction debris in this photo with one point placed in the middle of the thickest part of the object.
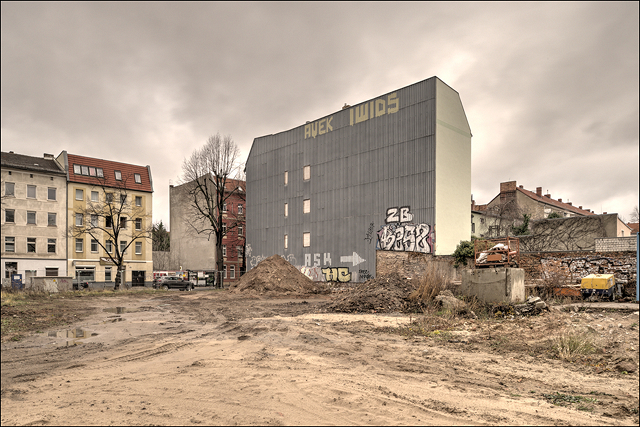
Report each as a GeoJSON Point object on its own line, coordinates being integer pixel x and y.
{"type": "Point", "coordinates": [384, 294]}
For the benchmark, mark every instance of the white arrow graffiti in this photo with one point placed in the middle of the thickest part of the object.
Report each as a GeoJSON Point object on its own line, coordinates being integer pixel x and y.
{"type": "Point", "coordinates": [355, 259]}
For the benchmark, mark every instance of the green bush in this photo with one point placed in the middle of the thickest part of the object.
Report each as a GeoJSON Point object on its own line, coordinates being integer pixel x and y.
{"type": "Point", "coordinates": [463, 251]}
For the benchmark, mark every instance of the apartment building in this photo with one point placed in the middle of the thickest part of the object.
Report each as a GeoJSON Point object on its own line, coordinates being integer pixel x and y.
{"type": "Point", "coordinates": [109, 212]}
{"type": "Point", "coordinates": [34, 221]}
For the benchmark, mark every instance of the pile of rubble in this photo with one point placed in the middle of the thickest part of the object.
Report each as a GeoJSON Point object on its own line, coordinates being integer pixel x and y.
{"type": "Point", "coordinates": [275, 276]}
{"type": "Point", "coordinates": [384, 294]}
{"type": "Point", "coordinates": [532, 307]}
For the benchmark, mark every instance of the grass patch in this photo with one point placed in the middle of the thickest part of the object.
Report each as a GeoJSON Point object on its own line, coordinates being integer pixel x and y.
{"type": "Point", "coordinates": [583, 403]}
{"type": "Point", "coordinates": [568, 346]}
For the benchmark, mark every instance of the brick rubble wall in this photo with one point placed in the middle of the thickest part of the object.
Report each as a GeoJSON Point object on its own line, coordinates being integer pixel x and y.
{"type": "Point", "coordinates": [581, 264]}
{"type": "Point", "coordinates": [616, 244]}
{"type": "Point", "coordinates": [410, 264]}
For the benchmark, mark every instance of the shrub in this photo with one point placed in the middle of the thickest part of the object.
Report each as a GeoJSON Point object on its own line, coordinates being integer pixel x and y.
{"type": "Point", "coordinates": [463, 251]}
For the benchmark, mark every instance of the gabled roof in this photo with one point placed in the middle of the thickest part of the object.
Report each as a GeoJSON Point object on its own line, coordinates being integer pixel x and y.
{"type": "Point", "coordinates": [109, 167]}
{"type": "Point", "coordinates": [633, 226]}
{"type": "Point", "coordinates": [552, 202]}
{"type": "Point", "coordinates": [30, 163]}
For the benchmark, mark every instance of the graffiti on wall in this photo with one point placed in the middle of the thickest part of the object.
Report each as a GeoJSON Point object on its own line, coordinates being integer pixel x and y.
{"type": "Point", "coordinates": [369, 236]}
{"type": "Point", "coordinates": [313, 273]}
{"type": "Point", "coordinates": [400, 234]}
{"type": "Point", "coordinates": [308, 262]}
{"type": "Point", "coordinates": [364, 275]}
{"type": "Point", "coordinates": [337, 274]}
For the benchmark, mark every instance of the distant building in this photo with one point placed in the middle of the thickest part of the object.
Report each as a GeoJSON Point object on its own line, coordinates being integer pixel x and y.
{"type": "Point", "coordinates": [95, 182]}
{"type": "Point", "coordinates": [34, 222]}
{"type": "Point", "coordinates": [195, 251]}
{"type": "Point", "coordinates": [392, 173]}
{"type": "Point", "coordinates": [497, 217]}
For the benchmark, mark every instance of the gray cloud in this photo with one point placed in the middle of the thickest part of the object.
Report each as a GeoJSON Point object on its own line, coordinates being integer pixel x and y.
{"type": "Point", "coordinates": [550, 89]}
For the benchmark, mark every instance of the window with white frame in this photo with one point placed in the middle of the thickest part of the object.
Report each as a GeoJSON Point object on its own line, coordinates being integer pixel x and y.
{"type": "Point", "coordinates": [51, 246]}
{"type": "Point", "coordinates": [77, 169]}
{"type": "Point", "coordinates": [306, 240]}
{"type": "Point", "coordinates": [307, 173]}
{"type": "Point", "coordinates": [107, 274]}
{"type": "Point", "coordinates": [85, 170]}
{"type": "Point", "coordinates": [31, 245]}
{"type": "Point", "coordinates": [138, 248]}
{"type": "Point", "coordinates": [79, 245]}
{"type": "Point", "coordinates": [240, 230]}
{"type": "Point", "coordinates": [99, 172]}
{"type": "Point", "coordinates": [79, 194]}
{"type": "Point", "coordinates": [239, 251]}
{"type": "Point", "coordinates": [9, 244]}
{"type": "Point", "coordinates": [51, 193]}
{"type": "Point", "coordinates": [306, 206]}
{"type": "Point", "coordinates": [31, 191]}
{"type": "Point", "coordinates": [123, 199]}
{"type": "Point", "coordinates": [108, 245]}
{"type": "Point", "coordinates": [109, 197]}
{"type": "Point", "coordinates": [94, 246]}
{"type": "Point", "coordinates": [239, 209]}
{"type": "Point", "coordinates": [138, 200]}
{"type": "Point", "coordinates": [94, 220]}
{"type": "Point", "coordinates": [137, 178]}
{"type": "Point", "coordinates": [224, 250]}
{"type": "Point", "coordinates": [123, 246]}
{"type": "Point", "coordinates": [52, 219]}
{"type": "Point", "coordinates": [232, 271]}
{"type": "Point", "coordinates": [138, 223]}
{"type": "Point", "coordinates": [224, 207]}
{"type": "Point", "coordinates": [79, 219]}
{"type": "Point", "coordinates": [31, 217]}
{"type": "Point", "coordinates": [94, 196]}
{"type": "Point", "coordinates": [10, 215]}
{"type": "Point", "coordinates": [118, 175]}
{"type": "Point", "coordinates": [9, 189]}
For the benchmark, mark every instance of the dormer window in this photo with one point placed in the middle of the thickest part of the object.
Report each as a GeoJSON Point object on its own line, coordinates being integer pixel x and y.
{"type": "Point", "coordinates": [137, 178]}
{"type": "Point", "coordinates": [118, 175]}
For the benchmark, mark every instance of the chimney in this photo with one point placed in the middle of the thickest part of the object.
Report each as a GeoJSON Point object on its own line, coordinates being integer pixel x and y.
{"type": "Point", "coordinates": [579, 207]}
{"type": "Point", "coordinates": [604, 213]}
{"type": "Point", "coordinates": [547, 196]}
{"type": "Point", "coordinates": [560, 200]}
{"type": "Point", "coordinates": [507, 186]}
{"type": "Point", "coordinates": [520, 186]}
{"type": "Point", "coordinates": [539, 191]}
{"type": "Point", "coordinates": [570, 203]}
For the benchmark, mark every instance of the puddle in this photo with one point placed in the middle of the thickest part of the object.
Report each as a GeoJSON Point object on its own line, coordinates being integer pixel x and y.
{"type": "Point", "coordinates": [117, 310]}
{"type": "Point", "coordinates": [73, 333]}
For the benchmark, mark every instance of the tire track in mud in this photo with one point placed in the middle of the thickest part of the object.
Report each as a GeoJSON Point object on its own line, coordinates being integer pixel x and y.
{"type": "Point", "coordinates": [148, 354]}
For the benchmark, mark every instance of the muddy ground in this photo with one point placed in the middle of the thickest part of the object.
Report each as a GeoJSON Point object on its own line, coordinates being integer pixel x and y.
{"type": "Point", "coordinates": [218, 357]}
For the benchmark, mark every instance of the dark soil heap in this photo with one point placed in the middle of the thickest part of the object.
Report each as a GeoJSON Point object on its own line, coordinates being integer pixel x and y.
{"type": "Point", "coordinates": [276, 276]}
{"type": "Point", "coordinates": [384, 294]}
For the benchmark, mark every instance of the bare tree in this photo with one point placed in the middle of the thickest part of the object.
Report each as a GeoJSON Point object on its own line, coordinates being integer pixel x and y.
{"type": "Point", "coordinates": [502, 218]}
{"type": "Point", "coordinates": [563, 234]}
{"type": "Point", "coordinates": [635, 215]}
{"type": "Point", "coordinates": [211, 177]}
{"type": "Point", "coordinates": [113, 223]}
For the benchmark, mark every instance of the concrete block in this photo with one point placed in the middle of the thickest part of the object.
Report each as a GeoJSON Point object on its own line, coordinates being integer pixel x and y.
{"type": "Point", "coordinates": [494, 284]}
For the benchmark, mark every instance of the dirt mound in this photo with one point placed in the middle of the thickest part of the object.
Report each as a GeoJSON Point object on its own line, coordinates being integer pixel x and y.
{"type": "Point", "coordinates": [384, 294]}
{"type": "Point", "coordinates": [276, 276]}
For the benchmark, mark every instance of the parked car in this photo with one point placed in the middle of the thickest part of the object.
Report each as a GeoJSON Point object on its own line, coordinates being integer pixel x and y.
{"type": "Point", "coordinates": [172, 282]}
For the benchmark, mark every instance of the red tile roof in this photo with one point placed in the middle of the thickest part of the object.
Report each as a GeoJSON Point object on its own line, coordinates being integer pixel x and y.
{"type": "Point", "coordinates": [552, 202]}
{"type": "Point", "coordinates": [634, 227]}
{"type": "Point", "coordinates": [127, 173]}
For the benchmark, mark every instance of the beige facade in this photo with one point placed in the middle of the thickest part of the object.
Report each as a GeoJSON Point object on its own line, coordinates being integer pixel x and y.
{"type": "Point", "coordinates": [130, 198]}
{"type": "Point", "coordinates": [453, 184]}
{"type": "Point", "coordinates": [189, 250]}
{"type": "Point", "coordinates": [33, 219]}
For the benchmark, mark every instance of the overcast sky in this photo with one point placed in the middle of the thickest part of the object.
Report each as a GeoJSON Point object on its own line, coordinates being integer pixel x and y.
{"type": "Point", "coordinates": [550, 89]}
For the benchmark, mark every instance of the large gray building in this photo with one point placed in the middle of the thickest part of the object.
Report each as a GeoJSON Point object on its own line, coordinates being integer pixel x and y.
{"type": "Point", "coordinates": [391, 173]}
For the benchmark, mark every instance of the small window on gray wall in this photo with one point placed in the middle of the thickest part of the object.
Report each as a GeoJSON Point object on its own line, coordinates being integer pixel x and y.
{"type": "Point", "coordinates": [51, 193]}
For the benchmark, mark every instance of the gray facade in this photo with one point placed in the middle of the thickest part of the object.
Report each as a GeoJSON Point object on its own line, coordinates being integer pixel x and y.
{"type": "Point", "coordinates": [381, 178]}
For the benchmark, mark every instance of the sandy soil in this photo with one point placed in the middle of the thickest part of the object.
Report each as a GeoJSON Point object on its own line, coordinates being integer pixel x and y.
{"type": "Point", "coordinates": [221, 358]}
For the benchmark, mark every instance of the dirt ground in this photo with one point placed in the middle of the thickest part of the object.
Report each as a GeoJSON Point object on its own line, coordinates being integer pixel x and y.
{"type": "Point", "coordinates": [220, 357]}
